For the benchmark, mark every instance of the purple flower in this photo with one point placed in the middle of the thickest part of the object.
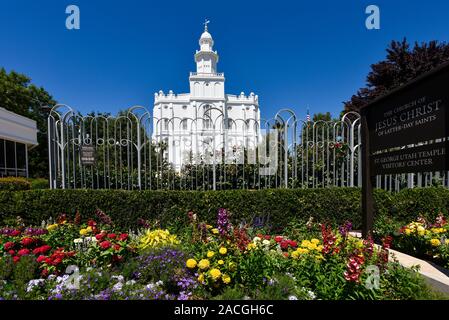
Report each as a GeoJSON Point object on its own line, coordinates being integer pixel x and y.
{"type": "Point", "coordinates": [223, 222]}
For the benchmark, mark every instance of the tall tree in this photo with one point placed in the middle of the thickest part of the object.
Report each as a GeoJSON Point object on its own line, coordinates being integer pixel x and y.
{"type": "Point", "coordinates": [19, 95]}
{"type": "Point", "coordinates": [401, 65]}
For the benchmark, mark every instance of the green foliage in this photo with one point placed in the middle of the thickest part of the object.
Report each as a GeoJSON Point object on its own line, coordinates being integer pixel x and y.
{"type": "Point", "coordinates": [275, 208]}
{"type": "Point", "coordinates": [20, 96]}
{"type": "Point", "coordinates": [39, 183]}
{"type": "Point", "coordinates": [14, 184]}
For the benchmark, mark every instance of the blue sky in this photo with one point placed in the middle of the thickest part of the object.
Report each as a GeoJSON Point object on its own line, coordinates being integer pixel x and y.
{"type": "Point", "coordinates": [291, 53]}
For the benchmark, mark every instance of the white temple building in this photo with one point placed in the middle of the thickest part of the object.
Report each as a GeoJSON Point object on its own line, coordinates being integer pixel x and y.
{"type": "Point", "coordinates": [192, 125]}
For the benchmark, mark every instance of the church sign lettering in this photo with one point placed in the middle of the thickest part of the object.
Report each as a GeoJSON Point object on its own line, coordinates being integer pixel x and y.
{"type": "Point", "coordinates": [405, 131]}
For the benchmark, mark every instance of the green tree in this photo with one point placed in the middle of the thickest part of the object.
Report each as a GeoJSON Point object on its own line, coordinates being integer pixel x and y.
{"type": "Point", "coordinates": [401, 65]}
{"type": "Point", "coordinates": [19, 95]}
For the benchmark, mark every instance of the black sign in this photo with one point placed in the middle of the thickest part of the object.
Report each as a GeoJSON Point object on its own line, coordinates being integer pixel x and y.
{"type": "Point", "coordinates": [87, 155]}
{"type": "Point", "coordinates": [416, 113]}
{"type": "Point", "coordinates": [426, 158]}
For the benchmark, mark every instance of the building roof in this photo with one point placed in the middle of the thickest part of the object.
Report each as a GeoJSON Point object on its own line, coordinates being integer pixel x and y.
{"type": "Point", "coordinates": [17, 128]}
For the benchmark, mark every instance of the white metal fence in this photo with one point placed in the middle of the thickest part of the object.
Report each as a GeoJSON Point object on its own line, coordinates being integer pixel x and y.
{"type": "Point", "coordinates": [131, 151]}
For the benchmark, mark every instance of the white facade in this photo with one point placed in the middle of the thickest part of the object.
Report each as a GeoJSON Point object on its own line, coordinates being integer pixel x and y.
{"type": "Point", "coordinates": [17, 135]}
{"type": "Point", "coordinates": [194, 124]}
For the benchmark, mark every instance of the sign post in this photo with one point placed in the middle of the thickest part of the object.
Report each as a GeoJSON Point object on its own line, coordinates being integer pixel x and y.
{"type": "Point", "coordinates": [405, 131]}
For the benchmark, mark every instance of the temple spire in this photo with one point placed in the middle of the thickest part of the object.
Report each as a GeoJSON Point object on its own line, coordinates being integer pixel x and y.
{"type": "Point", "coordinates": [206, 22]}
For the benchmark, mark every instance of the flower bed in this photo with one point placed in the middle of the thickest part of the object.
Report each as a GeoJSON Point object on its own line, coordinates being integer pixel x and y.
{"type": "Point", "coordinates": [94, 259]}
{"type": "Point", "coordinates": [424, 239]}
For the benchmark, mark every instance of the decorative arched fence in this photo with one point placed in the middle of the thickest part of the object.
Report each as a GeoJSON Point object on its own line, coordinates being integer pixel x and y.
{"type": "Point", "coordinates": [128, 151]}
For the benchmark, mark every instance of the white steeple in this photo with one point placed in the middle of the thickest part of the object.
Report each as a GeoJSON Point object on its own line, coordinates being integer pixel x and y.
{"type": "Point", "coordinates": [206, 59]}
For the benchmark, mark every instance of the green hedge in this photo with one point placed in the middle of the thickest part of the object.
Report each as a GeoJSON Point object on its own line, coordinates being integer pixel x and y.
{"type": "Point", "coordinates": [14, 184]}
{"type": "Point", "coordinates": [281, 206]}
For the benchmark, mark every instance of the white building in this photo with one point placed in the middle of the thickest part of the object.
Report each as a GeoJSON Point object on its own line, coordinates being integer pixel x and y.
{"type": "Point", "coordinates": [18, 134]}
{"type": "Point", "coordinates": [194, 124]}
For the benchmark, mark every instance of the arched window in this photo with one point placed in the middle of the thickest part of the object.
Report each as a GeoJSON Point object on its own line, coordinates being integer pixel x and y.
{"type": "Point", "coordinates": [207, 122]}
{"type": "Point", "coordinates": [230, 124]}
{"type": "Point", "coordinates": [165, 124]}
{"type": "Point", "coordinates": [184, 124]}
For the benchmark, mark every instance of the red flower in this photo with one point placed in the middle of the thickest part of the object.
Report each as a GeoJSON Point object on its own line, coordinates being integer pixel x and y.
{"type": "Point", "coordinates": [11, 252]}
{"type": "Point", "coordinates": [293, 243]}
{"type": "Point", "coordinates": [48, 260]}
{"type": "Point", "coordinates": [27, 241]}
{"type": "Point", "coordinates": [16, 259]}
{"type": "Point", "coordinates": [57, 261]}
{"type": "Point", "coordinates": [91, 223]}
{"type": "Point", "coordinates": [123, 237]}
{"type": "Point", "coordinates": [41, 258]}
{"type": "Point", "coordinates": [42, 249]}
{"type": "Point", "coordinates": [23, 252]}
{"type": "Point", "coordinates": [111, 236]}
{"type": "Point", "coordinates": [44, 273]}
{"type": "Point", "coordinates": [8, 245]}
{"type": "Point", "coordinates": [100, 236]}
{"type": "Point", "coordinates": [278, 238]}
{"type": "Point", "coordinates": [15, 233]}
{"type": "Point", "coordinates": [105, 245]}
{"type": "Point", "coordinates": [284, 244]}
{"type": "Point", "coordinates": [116, 247]}
{"type": "Point", "coordinates": [267, 237]}
{"type": "Point", "coordinates": [286, 254]}
{"type": "Point", "coordinates": [117, 258]}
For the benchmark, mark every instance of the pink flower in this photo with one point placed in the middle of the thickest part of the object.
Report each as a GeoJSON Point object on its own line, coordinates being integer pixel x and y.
{"type": "Point", "coordinates": [105, 245]}
{"type": "Point", "coordinates": [8, 246]}
{"type": "Point", "coordinates": [27, 241]}
{"type": "Point", "coordinates": [23, 252]}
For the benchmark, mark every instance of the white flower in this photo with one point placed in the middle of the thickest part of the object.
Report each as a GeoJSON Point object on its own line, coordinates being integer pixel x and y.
{"type": "Point", "coordinates": [79, 240]}
{"type": "Point", "coordinates": [159, 283]}
{"type": "Point", "coordinates": [256, 239]}
{"type": "Point", "coordinates": [117, 287]}
{"type": "Point", "coordinates": [34, 283]}
{"type": "Point", "coordinates": [266, 242]}
{"type": "Point", "coordinates": [119, 278]}
{"type": "Point", "coordinates": [311, 294]}
{"type": "Point", "coordinates": [130, 282]}
{"type": "Point", "coordinates": [292, 298]}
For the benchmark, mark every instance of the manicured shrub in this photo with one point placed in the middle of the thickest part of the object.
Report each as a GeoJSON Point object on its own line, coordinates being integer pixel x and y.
{"type": "Point", "coordinates": [272, 207]}
{"type": "Point", "coordinates": [39, 183]}
{"type": "Point", "coordinates": [14, 184]}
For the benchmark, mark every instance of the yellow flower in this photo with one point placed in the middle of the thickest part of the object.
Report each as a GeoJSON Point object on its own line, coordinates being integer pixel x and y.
{"type": "Point", "coordinates": [215, 274]}
{"type": "Point", "coordinates": [201, 278]}
{"type": "Point", "coordinates": [305, 243]}
{"type": "Point", "coordinates": [232, 266]}
{"type": "Point", "coordinates": [226, 279]}
{"type": "Point", "coordinates": [203, 264]}
{"type": "Point", "coordinates": [89, 229]}
{"type": "Point", "coordinates": [223, 250]}
{"type": "Point", "coordinates": [315, 241]}
{"type": "Point", "coordinates": [220, 262]}
{"type": "Point", "coordinates": [157, 238]}
{"type": "Point", "coordinates": [407, 231]}
{"type": "Point", "coordinates": [208, 226]}
{"type": "Point", "coordinates": [435, 242]}
{"type": "Point", "coordinates": [52, 227]}
{"type": "Point", "coordinates": [83, 232]}
{"type": "Point", "coordinates": [252, 245]}
{"type": "Point", "coordinates": [214, 231]}
{"type": "Point", "coordinates": [302, 250]}
{"type": "Point", "coordinates": [319, 248]}
{"type": "Point", "coordinates": [191, 263]}
{"type": "Point", "coordinates": [210, 254]}
{"type": "Point", "coordinates": [295, 255]}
